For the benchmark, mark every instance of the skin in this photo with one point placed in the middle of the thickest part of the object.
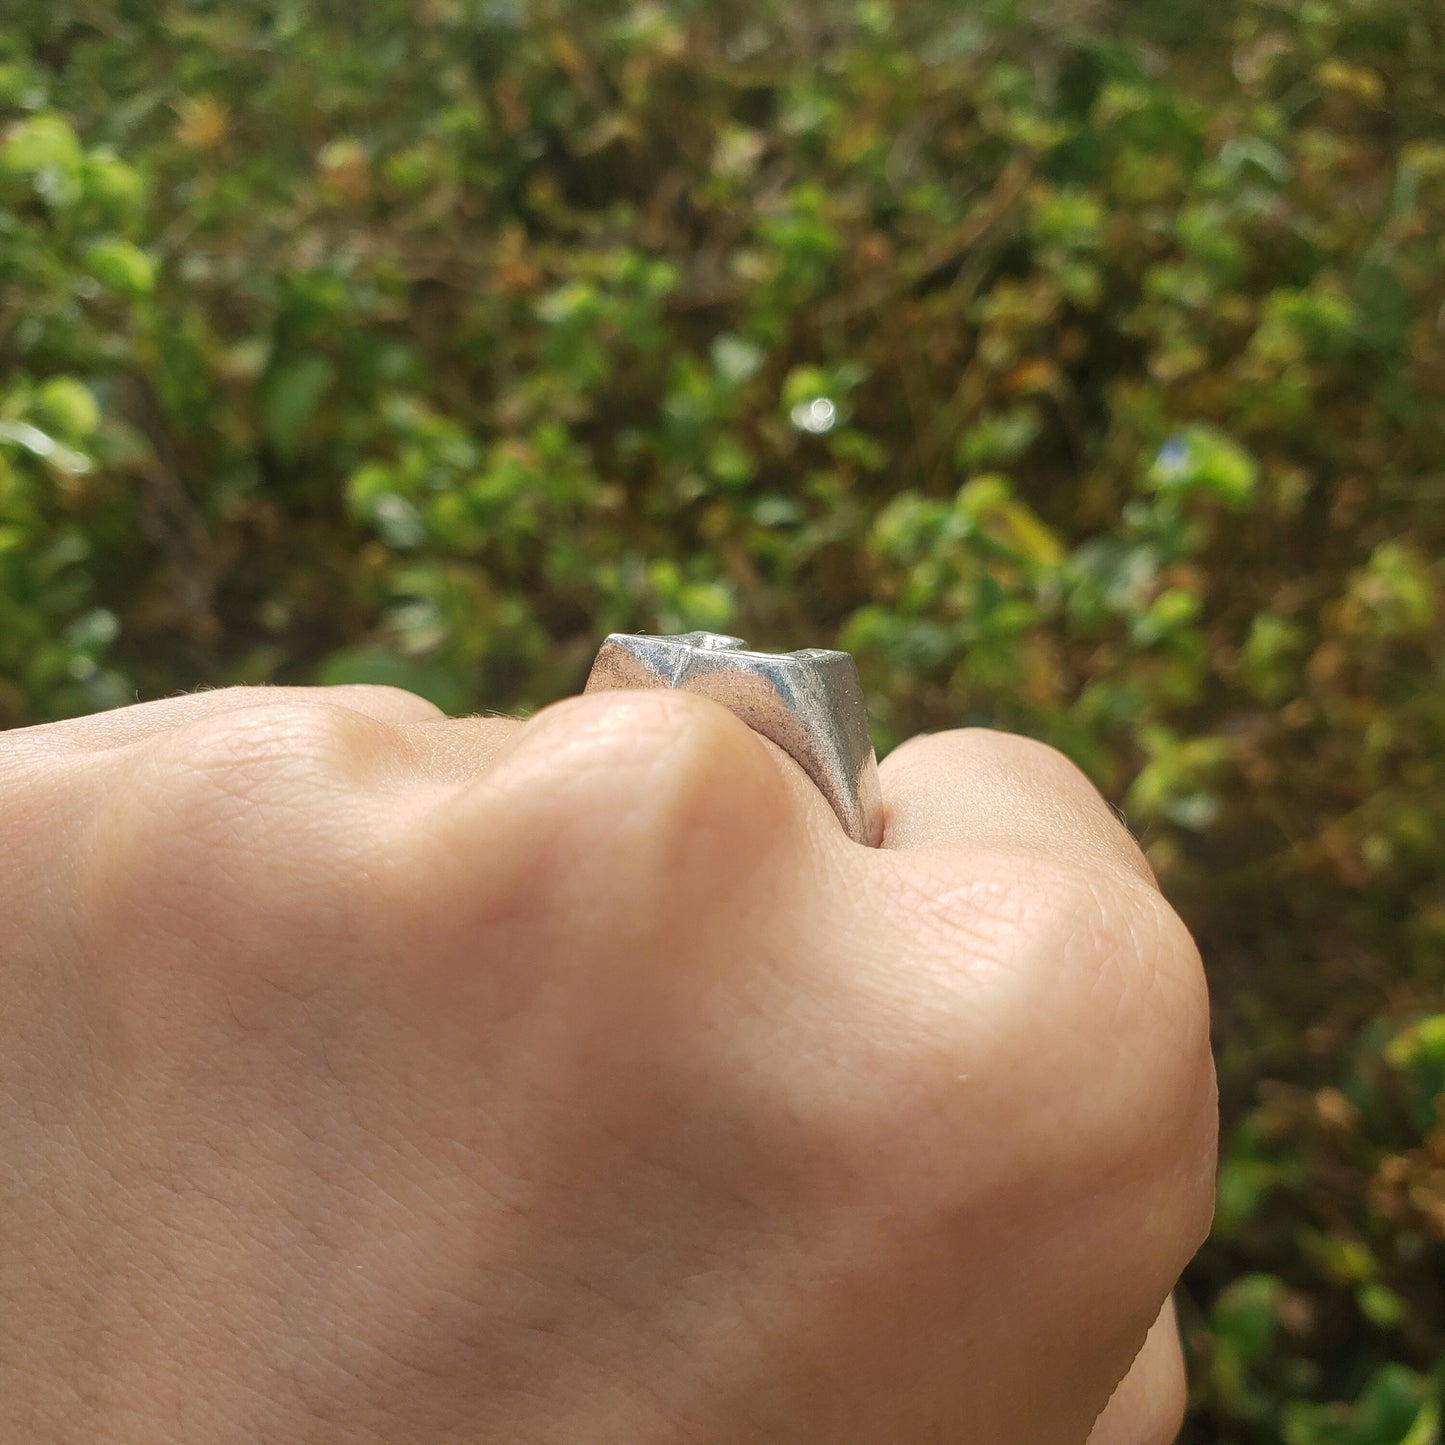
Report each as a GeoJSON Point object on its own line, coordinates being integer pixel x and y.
{"type": "Point", "coordinates": [369, 1076]}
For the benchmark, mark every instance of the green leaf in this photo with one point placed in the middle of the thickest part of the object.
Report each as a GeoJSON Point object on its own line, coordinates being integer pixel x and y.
{"type": "Point", "coordinates": [1247, 1314]}
{"type": "Point", "coordinates": [1396, 1407]}
{"type": "Point", "coordinates": [1202, 461]}
{"type": "Point", "coordinates": [122, 268]}
{"type": "Point", "coordinates": [1422, 1043]}
{"type": "Point", "coordinates": [1070, 218]}
{"type": "Point", "coordinates": [68, 407]}
{"type": "Point", "coordinates": [1394, 591]}
{"type": "Point", "coordinates": [288, 397]}
{"type": "Point", "coordinates": [1244, 1184]}
{"type": "Point", "coordinates": [1382, 1306]}
{"type": "Point", "coordinates": [40, 144]}
{"type": "Point", "coordinates": [115, 187]}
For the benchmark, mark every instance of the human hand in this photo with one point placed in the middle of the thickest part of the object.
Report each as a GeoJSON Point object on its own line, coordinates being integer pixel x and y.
{"type": "Point", "coordinates": [371, 1076]}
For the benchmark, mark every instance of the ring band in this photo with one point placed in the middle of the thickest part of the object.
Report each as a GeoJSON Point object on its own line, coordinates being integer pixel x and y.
{"type": "Point", "coordinates": [810, 703]}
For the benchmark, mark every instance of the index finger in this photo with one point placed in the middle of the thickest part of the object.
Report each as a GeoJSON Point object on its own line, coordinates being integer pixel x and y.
{"type": "Point", "coordinates": [973, 789]}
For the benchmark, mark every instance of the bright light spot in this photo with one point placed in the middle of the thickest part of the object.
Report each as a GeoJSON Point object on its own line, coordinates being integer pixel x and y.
{"type": "Point", "coordinates": [37, 443]}
{"type": "Point", "coordinates": [816, 416]}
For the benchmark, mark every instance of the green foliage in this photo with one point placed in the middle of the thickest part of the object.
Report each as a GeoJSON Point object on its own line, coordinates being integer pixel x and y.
{"type": "Point", "coordinates": [1078, 367]}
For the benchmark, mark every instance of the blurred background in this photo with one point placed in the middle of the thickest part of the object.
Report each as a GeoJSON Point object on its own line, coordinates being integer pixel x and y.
{"type": "Point", "coordinates": [1079, 366]}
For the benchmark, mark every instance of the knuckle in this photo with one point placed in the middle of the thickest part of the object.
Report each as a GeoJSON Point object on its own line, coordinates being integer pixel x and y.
{"type": "Point", "coordinates": [1141, 1017]}
{"type": "Point", "coordinates": [1004, 919]}
{"type": "Point", "coordinates": [381, 701]}
{"type": "Point", "coordinates": [659, 777]}
{"type": "Point", "coordinates": [619, 814]}
{"type": "Point", "coordinates": [1127, 1109]}
{"type": "Point", "coordinates": [1112, 965]}
{"type": "Point", "coordinates": [1048, 1046]}
{"type": "Point", "coordinates": [230, 816]}
{"type": "Point", "coordinates": [1075, 998]}
{"type": "Point", "coordinates": [283, 754]}
{"type": "Point", "coordinates": [1158, 976]}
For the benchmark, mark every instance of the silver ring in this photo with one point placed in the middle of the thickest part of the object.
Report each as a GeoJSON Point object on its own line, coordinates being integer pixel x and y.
{"type": "Point", "coordinates": [810, 703]}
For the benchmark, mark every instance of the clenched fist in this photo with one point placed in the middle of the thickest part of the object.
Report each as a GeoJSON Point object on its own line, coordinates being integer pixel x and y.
{"type": "Point", "coordinates": [369, 1076]}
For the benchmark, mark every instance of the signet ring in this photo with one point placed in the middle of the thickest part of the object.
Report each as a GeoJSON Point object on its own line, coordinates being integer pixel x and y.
{"type": "Point", "coordinates": [809, 702]}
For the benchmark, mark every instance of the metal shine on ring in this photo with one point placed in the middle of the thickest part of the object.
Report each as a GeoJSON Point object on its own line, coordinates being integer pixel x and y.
{"type": "Point", "coordinates": [810, 703]}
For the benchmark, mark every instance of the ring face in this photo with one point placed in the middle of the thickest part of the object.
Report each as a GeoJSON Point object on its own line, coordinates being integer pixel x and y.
{"type": "Point", "coordinates": [810, 703]}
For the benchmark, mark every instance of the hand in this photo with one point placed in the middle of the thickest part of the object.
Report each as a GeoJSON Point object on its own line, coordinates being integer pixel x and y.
{"type": "Point", "coordinates": [368, 1076]}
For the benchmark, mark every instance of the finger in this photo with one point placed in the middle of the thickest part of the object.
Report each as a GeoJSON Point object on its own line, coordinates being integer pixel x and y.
{"type": "Point", "coordinates": [979, 790]}
{"type": "Point", "coordinates": [629, 726]}
{"type": "Point", "coordinates": [637, 805]}
{"type": "Point", "coordinates": [1082, 988]}
{"type": "Point", "coordinates": [1148, 1406]}
{"type": "Point", "coordinates": [124, 726]}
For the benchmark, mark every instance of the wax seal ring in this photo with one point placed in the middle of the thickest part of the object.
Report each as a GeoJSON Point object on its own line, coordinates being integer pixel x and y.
{"type": "Point", "coordinates": [810, 703]}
